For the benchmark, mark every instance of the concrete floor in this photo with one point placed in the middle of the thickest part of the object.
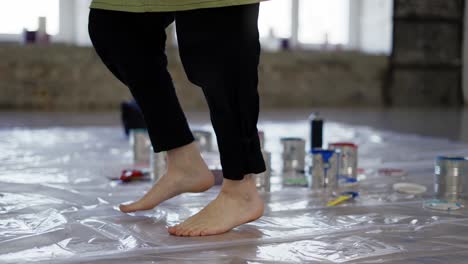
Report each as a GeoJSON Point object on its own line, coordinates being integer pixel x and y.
{"type": "Point", "coordinates": [444, 123]}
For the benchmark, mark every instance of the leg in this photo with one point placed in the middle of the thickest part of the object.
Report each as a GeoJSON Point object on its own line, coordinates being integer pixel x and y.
{"type": "Point", "coordinates": [132, 46]}
{"type": "Point", "coordinates": [220, 52]}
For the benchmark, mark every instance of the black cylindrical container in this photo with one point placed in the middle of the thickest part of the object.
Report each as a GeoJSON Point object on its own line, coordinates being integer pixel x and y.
{"type": "Point", "coordinates": [316, 131]}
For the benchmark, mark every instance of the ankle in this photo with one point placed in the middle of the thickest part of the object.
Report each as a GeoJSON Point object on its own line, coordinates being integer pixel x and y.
{"type": "Point", "coordinates": [183, 150]}
{"type": "Point", "coordinates": [245, 187]}
{"type": "Point", "coordinates": [184, 155]}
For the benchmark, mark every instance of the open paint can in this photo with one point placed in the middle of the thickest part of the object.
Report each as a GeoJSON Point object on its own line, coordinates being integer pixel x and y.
{"type": "Point", "coordinates": [347, 165]}
{"type": "Point", "coordinates": [158, 164]}
{"type": "Point", "coordinates": [324, 169]}
{"type": "Point", "coordinates": [293, 172]}
{"type": "Point", "coordinates": [293, 154]}
{"type": "Point", "coordinates": [451, 178]}
{"type": "Point", "coordinates": [203, 140]}
{"type": "Point", "coordinates": [263, 179]}
{"type": "Point", "coordinates": [140, 143]}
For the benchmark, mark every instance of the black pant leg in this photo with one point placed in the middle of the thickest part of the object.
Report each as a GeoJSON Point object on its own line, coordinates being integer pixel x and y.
{"type": "Point", "coordinates": [220, 50]}
{"type": "Point", "coordinates": [132, 46]}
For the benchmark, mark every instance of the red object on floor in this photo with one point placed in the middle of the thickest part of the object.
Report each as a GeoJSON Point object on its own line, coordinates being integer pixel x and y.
{"type": "Point", "coordinates": [130, 175]}
{"type": "Point", "coordinates": [344, 144]}
{"type": "Point", "coordinates": [391, 172]}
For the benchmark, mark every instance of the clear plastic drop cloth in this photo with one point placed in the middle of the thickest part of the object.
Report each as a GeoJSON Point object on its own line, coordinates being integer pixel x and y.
{"type": "Point", "coordinates": [58, 205]}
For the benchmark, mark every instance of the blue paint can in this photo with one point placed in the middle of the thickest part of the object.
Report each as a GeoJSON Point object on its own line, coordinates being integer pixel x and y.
{"type": "Point", "coordinates": [324, 169]}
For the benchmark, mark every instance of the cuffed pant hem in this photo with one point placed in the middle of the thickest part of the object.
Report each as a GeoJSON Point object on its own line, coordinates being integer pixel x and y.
{"type": "Point", "coordinates": [166, 145]}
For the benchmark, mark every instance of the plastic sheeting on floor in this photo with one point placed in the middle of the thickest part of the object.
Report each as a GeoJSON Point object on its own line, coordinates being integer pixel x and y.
{"type": "Point", "coordinates": [58, 205]}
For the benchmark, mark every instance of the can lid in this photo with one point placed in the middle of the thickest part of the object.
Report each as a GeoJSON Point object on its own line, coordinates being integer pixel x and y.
{"type": "Point", "coordinates": [291, 139]}
{"type": "Point", "coordinates": [454, 158]}
{"type": "Point", "coordinates": [326, 153]}
{"type": "Point", "coordinates": [321, 151]}
{"type": "Point", "coordinates": [315, 116]}
{"type": "Point", "coordinates": [343, 144]}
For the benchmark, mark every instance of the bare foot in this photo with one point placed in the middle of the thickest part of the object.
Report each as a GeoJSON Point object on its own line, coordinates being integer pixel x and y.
{"type": "Point", "coordinates": [186, 172]}
{"type": "Point", "coordinates": [237, 203]}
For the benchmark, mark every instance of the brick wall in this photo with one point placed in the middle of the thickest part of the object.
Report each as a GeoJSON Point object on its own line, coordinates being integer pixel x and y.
{"type": "Point", "coordinates": [73, 78]}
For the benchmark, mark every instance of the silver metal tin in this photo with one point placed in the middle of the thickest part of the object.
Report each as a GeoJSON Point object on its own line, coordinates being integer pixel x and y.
{"type": "Point", "coordinates": [451, 178]}
{"type": "Point", "coordinates": [263, 179]}
{"type": "Point", "coordinates": [293, 173]}
{"type": "Point", "coordinates": [261, 138]}
{"type": "Point", "coordinates": [348, 162]}
{"type": "Point", "coordinates": [324, 169]}
{"type": "Point", "coordinates": [293, 154]}
{"type": "Point", "coordinates": [158, 164]}
{"type": "Point", "coordinates": [140, 142]}
{"type": "Point", "coordinates": [203, 139]}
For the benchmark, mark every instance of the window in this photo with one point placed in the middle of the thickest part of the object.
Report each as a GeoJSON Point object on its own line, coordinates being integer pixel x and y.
{"type": "Point", "coordinates": [15, 15]}
{"type": "Point", "coordinates": [323, 21]}
{"type": "Point", "coordinates": [376, 26]}
{"type": "Point", "coordinates": [275, 19]}
{"type": "Point", "coordinates": [364, 25]}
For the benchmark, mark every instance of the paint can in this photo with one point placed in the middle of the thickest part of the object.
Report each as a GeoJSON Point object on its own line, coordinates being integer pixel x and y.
{"type": "Point", "coordinates": [261, 138]}
{"type": "Point", "coordinates": [451, 178]}
{"type": "Point", "coordinates": [348, 162]}
{"type": "Point", "coordinates": [203, 140]}
{"type": "Point", "coordinates": [263, 179]}
{"type": "Point", "coordinates": [293, 154]}
{"type": "Point", "coordinates": [293, 161]}
{"type": "Point", "coordinates": [141, 144]}
{"type": "Point", "coordinates": [158, 164]}
{"type": "Point", "coordinates": [316, 131]}
{"type": "Point", "coordinates": [295, 178]}
{"type": "Point", "coordinates": [324, 169]}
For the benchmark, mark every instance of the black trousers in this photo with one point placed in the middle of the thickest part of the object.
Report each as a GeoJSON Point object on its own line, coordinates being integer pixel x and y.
{"type": "Point", "coordinates": [219, 49]}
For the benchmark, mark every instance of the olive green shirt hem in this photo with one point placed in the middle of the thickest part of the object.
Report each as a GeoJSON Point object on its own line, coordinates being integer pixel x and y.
{"type": "Point", "coordinates": [142, 8]}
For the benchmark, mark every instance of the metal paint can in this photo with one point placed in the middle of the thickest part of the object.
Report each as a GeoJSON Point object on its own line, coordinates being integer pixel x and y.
{"type": "Point", "coordinates": [263, 179]}
{"type": "Point", "coordinates": [141, 144]}
{"type": "Point", "coordinates": [203, 140]}
{"type": "Point", "coordinates": [293, 154]}
{"type": "Point", "coordinates": [324, 169]}
{"type": "Point", "coordinates": [451, 178]}
{"type": "Point", "coordinates": [158, 164]}
{"type": "Point", "coordinates": [348, 162]}
{"type": "Point", "coordinates": [261, 138]}
{"type": "Point", "coordinates": [293, 173]}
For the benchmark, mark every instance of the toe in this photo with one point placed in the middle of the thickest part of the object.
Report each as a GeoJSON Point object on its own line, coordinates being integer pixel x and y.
{"type": "Point", "coordinates": [133, 207]}
{"type": "Point", "coordinates": [126, 208]}
{"type": "Point", "coordinates": [171, 230]}
{"type": "Point", "coordinates": [211, 232]}
{"type": "Point", "coordinates": [183, 227]}
{"type": "Point", "coordinates": [185, 232]}
{"type": "Point", "coordinates": [179, 231]}
{"type": "Point", "coordinates": [196, 228]}
{"type": "Point", "coordinates": [188, 230]}
{"type": "Point", "coordinates": [195, 232]}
